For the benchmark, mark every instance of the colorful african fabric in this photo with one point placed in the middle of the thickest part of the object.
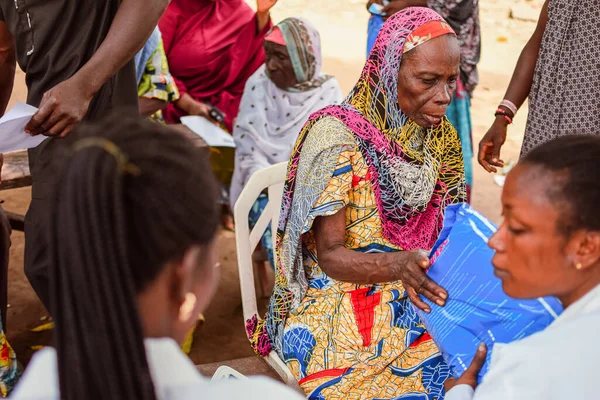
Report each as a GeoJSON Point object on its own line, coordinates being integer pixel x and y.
{"type": "Point", "coordinates": [156, 81]}
{"type": "Point", "coordinates": [9, 367]}
{"type": "Point", "coordinates": [395, 179]}
{"type": "Point", "coordinates": [566, 85]}
{"type": "Point", "coordinates": [141, 58]}
{"type": "Point", "coordinates": [363, 341]}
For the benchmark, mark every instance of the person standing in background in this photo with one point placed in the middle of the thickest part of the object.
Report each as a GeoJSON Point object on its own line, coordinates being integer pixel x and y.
{"type": "Point", "coordinates": [213, 47]}
{"type": "Point", "coordinates": [77, 63]}
{"type": "Point", "coordinates": [558, 72]}
{"type": "Point", "coordinates": [463, 17]}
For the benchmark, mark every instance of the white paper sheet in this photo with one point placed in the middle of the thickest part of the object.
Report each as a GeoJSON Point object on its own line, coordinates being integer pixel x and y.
{"type": "Point", "coordinates": [212, 134]}
{"type": "Point", "coordinates": [12, 129]}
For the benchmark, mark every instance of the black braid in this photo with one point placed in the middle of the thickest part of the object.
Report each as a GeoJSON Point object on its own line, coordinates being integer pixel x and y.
{"type": "Point", "coordinates": [112, 232]}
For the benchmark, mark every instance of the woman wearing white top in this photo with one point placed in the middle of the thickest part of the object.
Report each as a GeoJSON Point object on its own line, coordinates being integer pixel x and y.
{"type": "Point", "coordinates": [133, 257]}
{"type": "Point", "coordinates": [548, 245]}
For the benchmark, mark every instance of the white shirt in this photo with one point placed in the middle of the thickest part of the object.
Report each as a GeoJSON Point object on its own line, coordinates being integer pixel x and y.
{"type": "Point", "coordinates": [173, 374]}
{"type": "Point", "coordinates": [558, 363]}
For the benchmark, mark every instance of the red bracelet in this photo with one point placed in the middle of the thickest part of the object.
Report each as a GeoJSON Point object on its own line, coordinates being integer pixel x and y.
{"type": "Point", "coordinates": [507, 117]}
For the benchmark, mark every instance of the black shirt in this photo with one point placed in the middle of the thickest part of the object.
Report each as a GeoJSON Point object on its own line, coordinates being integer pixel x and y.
{"type": "Point", "coordinates": [55, 38]}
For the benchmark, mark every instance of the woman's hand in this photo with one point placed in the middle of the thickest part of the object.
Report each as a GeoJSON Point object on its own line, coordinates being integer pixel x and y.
{"type": "Point", "coordinates": [490, 145]}
{"type": "Point", "coordinates": [262, 12]}
{"type": "Point", "coordinates": [413, 265]}
{"type": "Point", "coordinates": [264, 6]}
{"type": "Point", "coordinates": [200, 109]}
{"type": "Point", "coordinates": [193, 107]}
{"type": "Point", "coordinates": [470, 375]}
{"type": "Point", "coordinates": [61, 108]}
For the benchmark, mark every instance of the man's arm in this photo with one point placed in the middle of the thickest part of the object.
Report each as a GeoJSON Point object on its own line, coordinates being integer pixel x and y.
{"type": "Point", "coordinates": [67, 103]}
{"type": "Point", "coordinates": [7, 66]}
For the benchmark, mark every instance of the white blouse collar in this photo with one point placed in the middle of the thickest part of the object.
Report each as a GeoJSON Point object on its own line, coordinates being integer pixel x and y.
{"type": "Point", "coordinates": [588, 304]}
{"type": "Point", "coordinates": [169, 367]}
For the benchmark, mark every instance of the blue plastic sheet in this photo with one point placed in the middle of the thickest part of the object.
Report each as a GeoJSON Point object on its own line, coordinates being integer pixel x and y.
{"type": "Point", "coordinates": [477, 309]}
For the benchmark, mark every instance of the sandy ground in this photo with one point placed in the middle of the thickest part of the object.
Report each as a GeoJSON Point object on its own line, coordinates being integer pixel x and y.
{"type": "Point", "coordinates": [342, 24]}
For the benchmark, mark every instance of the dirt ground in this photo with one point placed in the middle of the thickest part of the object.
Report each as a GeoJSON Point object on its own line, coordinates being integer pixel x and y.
{"type": "Point", "coordinates": [342, 24]}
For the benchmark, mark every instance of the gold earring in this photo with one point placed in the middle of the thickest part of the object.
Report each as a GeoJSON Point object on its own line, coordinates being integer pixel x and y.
{"type": "Point", "coordinates": [201, 319]}
{"type": "Point", "coordinates": [187, 308]}
{"type": "Point", "coordinates": [578, 266]}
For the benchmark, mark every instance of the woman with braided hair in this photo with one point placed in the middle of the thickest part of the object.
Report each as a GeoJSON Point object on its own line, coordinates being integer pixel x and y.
{"type": "Point", "coordinates": [133, 264]}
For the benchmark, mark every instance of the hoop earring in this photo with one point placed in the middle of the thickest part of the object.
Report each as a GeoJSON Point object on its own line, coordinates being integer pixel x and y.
{"type": "Point", "coordinates": [187, 308]}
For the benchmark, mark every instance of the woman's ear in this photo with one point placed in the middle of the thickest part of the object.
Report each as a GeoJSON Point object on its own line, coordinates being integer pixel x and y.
{"type": "Point", "coordinates": [587, 249]}
{"type": "Point", "coordinates": [183, 273]}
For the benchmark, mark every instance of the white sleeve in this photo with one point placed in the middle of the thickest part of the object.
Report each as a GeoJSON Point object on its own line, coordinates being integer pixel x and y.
{"type": "Point", "coordinates": [460, 392]}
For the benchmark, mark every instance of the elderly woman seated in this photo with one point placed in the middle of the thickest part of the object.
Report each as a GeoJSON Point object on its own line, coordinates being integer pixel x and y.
{"type": "Point", "coordinates": [366, 191]}
{"type": "Point", "coordinates": [277, 102]}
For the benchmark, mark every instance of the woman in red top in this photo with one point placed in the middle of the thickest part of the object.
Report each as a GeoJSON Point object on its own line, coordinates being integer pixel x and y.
{"type": "Point", "coordinates": [213, 47]}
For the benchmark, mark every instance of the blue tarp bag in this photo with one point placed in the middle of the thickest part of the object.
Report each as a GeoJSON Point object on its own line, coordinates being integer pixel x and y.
{"type": "Point", "coordinates": [477, 309]}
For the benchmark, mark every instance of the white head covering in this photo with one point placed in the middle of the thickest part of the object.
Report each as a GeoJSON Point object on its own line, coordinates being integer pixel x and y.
{"type": "Point", "coordinates": [270, 118]}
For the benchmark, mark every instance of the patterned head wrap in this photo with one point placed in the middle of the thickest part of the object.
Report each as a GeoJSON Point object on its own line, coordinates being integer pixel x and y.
{"type": "Point", "coordinates": [303, 43]}
{"type": "Point", "coordinates": [415, 172]}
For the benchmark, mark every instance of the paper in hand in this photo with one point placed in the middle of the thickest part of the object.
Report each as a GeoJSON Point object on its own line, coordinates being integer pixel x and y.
{"type": "Point", "coordinates": [12, 129]}
{"type": "Point", "coordinates": [211, 133]}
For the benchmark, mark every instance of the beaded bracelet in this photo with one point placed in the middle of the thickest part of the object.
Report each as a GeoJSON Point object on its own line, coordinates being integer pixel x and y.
{"type": "Point", "coordinates": [510, 105]}
{"type": "Point", "coordinates": [507, 117]}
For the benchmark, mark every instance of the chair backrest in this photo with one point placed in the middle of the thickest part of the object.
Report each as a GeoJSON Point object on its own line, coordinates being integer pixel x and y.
{"type": "Point", "coordinates": [271, 179]}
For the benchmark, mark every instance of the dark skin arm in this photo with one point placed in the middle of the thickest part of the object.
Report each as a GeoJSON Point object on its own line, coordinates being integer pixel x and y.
{"type": "Point", "coordinates": [263, 7]}
{"type": "Point", "coordinates": [347, 265]}
{"type": "Point", "coordinates": [7, 66]}
{"type": "Point", "coordinates": [150, 106]}
{"type": "Point", "coordinates": [65, 105]}
{"type": "Point", "coordinates": [517, 92]}
{"type": "Point", "coordinates": [7, 72]}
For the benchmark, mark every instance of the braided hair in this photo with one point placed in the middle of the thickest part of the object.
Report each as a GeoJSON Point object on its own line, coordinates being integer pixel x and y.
{"type": "Point", "coordinates": [133, 196]}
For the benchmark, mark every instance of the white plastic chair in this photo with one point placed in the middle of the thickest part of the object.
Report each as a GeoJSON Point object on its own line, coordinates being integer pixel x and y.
{"type": "Point", "coordinates": [225, 372]}
{"type": "Point", "coordinates": [272, 179]}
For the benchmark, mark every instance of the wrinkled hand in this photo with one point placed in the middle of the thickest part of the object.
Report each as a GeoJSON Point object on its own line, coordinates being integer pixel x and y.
{"type": "Point", "coordinates": [264, 6]}
{"type": "Point", "coordinates": [470, 375]}
{"type": "Point", "coordinates": [62, 107]}
{"type": "Point", "coordinates": [416, 282]}
{"type": "Point", "coordinates": [490, 145]}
